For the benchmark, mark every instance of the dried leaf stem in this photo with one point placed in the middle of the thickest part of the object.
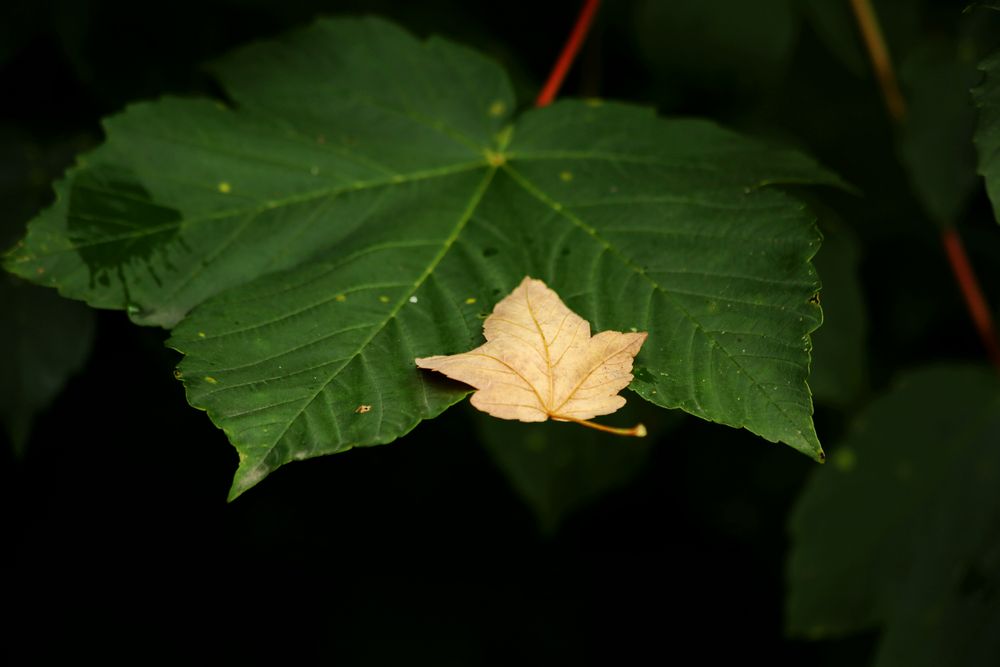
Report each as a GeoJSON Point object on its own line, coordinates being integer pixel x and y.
{"type": "Point", "coordinates": [637, 431]}
{"type": "Point", "coordinates": [965, 276]}
{"type": "Point", "coordinates": [568, 54]}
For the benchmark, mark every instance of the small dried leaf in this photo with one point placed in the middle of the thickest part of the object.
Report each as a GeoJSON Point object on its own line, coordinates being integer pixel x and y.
{"type": "Point", "coordinates": [540, 362]}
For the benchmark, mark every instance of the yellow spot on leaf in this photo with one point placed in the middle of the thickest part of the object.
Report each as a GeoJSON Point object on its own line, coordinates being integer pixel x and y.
{"type": "Point", "coordinates": [497, 108]}
{"type": "Point", "coordinates": [201, 334]}
{"type": "Point", "coordinates": [210, 380]}
{"type": "Point", "coordinates": [384, 299]}
{"type": "Point", "coordinates": [495, 159]}
{"type": "Point", "coordinates": [225, 188]}
{"type": "Point", "coordinates": [341, 298]}
{"type": "Point", "coordinates": [566, 176]}
{"type": "Point", "coordinates": [471, 300]}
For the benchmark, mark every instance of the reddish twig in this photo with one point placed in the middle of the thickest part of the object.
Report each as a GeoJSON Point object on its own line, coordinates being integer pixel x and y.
{"type": "Point", "coordinates": [871, 32]}
{"type": "Point", "coordinates": [570, 49]}
{"type": "Point", "coordinates": [979, 310]}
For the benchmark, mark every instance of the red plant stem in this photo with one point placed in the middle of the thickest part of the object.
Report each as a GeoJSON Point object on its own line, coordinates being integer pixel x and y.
{"type": "Point", "coordinates": [871, 33]}
{"type": "Point", "coordinates": [979, 310]}
{"type": "Point", "coordinates": [570, 49]}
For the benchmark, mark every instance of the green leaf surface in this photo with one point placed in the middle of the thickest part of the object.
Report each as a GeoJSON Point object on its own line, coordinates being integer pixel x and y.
{"type": "Point", "coordinates": [558, 468]}
{"type": "Point", "coordinates": [367, 199]}
{"type": "Point", "coordinates": [43, 341]}
{"type": "Point", "coordinates": [987, 137]}
{"type": "Point", "coordinates": [902, 530]}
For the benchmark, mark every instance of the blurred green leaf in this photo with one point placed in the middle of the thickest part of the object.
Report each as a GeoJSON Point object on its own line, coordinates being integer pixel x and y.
{"type": "Point", "coordinates": [983, 4]}
{"type": "Point", "coordinates": [839, 374]}
{"type": "Point", "coordinates": [902, 529]}
{"type": "Point", "coordinates": [936, 139]}
{"type": "Point", "coordinates": [558, 468]}
{"type": "Point", "coordinates": [722, 44]}
{"type": "Point", "coordinates": [987, 138]}
{"type": "Point", "coordinates": [44, 339]}
{"type": "Point", "coordinates": [368, 197]}
{"type": "Point", "coordinates": [834, 23]}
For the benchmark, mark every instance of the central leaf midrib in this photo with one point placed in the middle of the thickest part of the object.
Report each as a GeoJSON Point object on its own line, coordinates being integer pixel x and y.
{"type": "Point", "coordinates": [449, 241]}
{"type": "Point", "coordinates": [545, 346]}
{"type": "Point", "coordinates": [537, 193]}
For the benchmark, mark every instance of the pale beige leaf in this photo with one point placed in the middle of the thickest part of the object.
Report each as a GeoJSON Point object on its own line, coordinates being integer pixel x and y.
{"type": "Point", "coordinates": [540, 361]}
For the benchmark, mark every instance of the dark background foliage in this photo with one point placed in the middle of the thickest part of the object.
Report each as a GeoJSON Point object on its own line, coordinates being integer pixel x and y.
{"type": "Point", "coordinates": [421, 550]}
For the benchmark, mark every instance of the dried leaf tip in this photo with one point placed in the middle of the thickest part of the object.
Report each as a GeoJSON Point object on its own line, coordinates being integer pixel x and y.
{"type": "Point", "coordinates": [540, 362]}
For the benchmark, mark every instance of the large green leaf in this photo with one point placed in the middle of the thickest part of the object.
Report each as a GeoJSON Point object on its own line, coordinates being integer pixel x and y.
{"type": "Point", "coordinates": [902, 530]}
{"type": "Point", "coordinates": [366, 199]}
{"type": "Point", "coordinates": [987, 137]}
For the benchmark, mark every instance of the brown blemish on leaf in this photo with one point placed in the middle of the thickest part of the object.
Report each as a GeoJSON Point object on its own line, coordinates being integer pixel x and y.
{"type": "Point", "coordinates": [362, 409]}
{"type": "Point", "coordinates": [540, 362]}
